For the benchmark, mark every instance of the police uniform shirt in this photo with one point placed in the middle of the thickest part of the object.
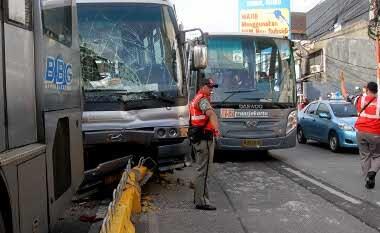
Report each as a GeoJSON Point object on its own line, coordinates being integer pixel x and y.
{"type": "Point", "coordinates": [204, 105]}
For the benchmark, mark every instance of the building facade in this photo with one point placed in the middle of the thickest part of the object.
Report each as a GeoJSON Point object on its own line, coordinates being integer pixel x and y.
{"type": "Point", "coordinates": [337, 32]}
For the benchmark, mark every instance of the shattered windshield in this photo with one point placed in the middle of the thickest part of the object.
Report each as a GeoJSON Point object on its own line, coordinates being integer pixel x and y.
{"type": "Point", "coordinates": [250, 69]}
{"type": "Point", "coordinates": [129, 47]}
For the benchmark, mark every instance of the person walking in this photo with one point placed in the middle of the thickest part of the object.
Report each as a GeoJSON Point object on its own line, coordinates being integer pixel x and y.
{"type": "Point", "coordinates": [204, 127]}
{"type": "Point", "coordinates": [368, 131]}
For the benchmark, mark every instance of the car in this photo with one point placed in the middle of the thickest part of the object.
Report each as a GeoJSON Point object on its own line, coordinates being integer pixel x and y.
{"type": "Point", "coordinates": [328, 121]}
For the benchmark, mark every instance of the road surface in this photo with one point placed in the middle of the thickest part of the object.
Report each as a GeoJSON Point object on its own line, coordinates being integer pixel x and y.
{"type": "Point", "coordinates": [305, 189]}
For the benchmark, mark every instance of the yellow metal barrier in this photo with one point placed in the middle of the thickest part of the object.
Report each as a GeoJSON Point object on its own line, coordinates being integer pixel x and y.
{"type": "Point", "coordinates": [126, 201]}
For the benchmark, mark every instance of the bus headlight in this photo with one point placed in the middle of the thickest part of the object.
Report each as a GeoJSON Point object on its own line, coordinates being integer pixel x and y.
{"type": "Point", "coordinates": [161, 133]}
{"type": "Point", "coordinates": [173, 132]}
{"type": "Point", "coordinates": [292, 122]}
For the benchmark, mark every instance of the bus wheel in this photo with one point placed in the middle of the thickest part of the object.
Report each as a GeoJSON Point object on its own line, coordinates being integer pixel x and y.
{"type": "Point", "coordinates": [2, 225]}
{"type": "Point", "coordinates": [300, 136]}
{"type": "Point", "coordinates": [334, 142]}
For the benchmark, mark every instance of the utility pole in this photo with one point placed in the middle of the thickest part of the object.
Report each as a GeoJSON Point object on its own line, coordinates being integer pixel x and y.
{"type": "Point", "coordinates": [374, 33]}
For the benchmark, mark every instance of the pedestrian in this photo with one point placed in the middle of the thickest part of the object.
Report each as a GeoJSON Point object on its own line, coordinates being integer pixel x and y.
{"type": "Point", "coordinates": [350, 98]}
{"type": "Point", "coordinates": [204, 127]}
{"type": "Point", "coordinates": [368, 131]}
{"type": "Point", "coordinates": [304, 103]}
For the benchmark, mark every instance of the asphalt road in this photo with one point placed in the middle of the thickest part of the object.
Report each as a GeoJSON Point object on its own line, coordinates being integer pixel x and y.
{"type": "Point", "coordinates": [341, 170]}
{"type": "Point", "coordinates": [305, 189]}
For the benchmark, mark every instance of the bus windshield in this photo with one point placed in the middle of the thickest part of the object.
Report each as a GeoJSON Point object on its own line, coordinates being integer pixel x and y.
{"type": "Point", "coordinates": [130, 48]}
{"type": "Point", "coordinates": [251, 69]}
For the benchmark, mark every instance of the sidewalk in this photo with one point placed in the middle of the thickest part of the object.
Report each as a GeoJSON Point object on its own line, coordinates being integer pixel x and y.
{"type": "Point", "coordinates": [250, 197]}
{"type": "Point", "coordinates": [176, 212]}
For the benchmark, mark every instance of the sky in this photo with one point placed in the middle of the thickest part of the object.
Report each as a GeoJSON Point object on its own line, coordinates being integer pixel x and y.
{"type": "Point", "coordinates": [221, 15]}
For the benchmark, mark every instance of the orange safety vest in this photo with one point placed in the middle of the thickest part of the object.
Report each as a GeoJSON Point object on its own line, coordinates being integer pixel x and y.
{"type": "Point", "coordinates": [197, 116]}
{"type": "Point", "coordinates": [369, 120]}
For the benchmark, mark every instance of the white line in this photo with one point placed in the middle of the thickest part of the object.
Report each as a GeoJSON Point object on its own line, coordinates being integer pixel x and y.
{"type": "Point", "coordinates": [333, 191]}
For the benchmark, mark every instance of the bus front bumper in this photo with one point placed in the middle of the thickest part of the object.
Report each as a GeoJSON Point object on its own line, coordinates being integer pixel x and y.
{"type": "Point", "coordinates": [169, 154]}
{"type": "Point", "coordinates": [288, 141]}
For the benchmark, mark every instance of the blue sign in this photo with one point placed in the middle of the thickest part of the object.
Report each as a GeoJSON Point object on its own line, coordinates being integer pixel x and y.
{"type": "Point", "coordinates": [263, 4]}
{"type": "Point", "coordinates": [270, 17]}
{"type": "Point", "coordinates": [59, 75]}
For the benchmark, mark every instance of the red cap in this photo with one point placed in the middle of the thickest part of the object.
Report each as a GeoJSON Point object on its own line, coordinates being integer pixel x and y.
{"type": "Point", "coordinates": [209, 82]}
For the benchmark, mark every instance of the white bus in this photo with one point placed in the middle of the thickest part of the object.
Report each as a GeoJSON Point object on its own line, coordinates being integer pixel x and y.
{"type": "Point", "coordinates": [256, 98]}
{"type": "Point", "coordinates": [133, 72]}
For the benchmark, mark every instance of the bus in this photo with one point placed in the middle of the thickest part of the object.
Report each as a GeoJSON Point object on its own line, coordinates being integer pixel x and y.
{"type": "Point", "coordinates": [133, 75]}
{"type": "Point", "coordinates": [256, 98]}
{"type": "Point", "coordinates": [41, 149]}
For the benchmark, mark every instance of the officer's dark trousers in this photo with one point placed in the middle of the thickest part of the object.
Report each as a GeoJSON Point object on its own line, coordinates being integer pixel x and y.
{"type": "Point", "coordinates": [204, 155]}
{"type": "Point", "coordinates": [369, 149]}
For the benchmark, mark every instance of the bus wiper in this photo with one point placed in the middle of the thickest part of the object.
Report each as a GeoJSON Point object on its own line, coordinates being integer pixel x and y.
{"type": "Point", "coordinates": [260, 99]}
{"type": "Point", "coordinates": [107, 90]}
{"type": "Point", "coordinates": [234, 93]}
{"type": "Point", "coordinates": [125, 92]}
{"type": "Point", "coordinates": [159, 97]}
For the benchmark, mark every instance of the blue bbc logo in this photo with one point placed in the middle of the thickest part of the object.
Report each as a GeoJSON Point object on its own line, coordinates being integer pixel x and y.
{"type": "Point", "coordinates": [58, 72]}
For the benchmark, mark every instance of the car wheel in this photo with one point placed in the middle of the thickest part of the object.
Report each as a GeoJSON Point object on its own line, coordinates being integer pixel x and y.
{"type": "Point", "coordinates": [300, 136]}
{"type": "Point", "coordinates": [2, 225]}
{"type": "Point", "coordinates": [334, 142]}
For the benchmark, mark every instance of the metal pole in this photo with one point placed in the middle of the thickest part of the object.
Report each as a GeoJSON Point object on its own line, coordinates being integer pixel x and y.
{"type": "Point", "coordinates": [378, 58]}
{"type": "Point", "coordinates": [378, 71]}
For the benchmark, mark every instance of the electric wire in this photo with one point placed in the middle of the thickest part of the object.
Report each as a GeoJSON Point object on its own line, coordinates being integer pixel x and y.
{"type": "Point", "coordinates": [334, 16]}
{"type": "Point", "coordinates": [349, 6]}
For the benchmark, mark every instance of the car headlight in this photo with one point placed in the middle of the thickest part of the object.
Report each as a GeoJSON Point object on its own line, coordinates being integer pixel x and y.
{"type": "Point", "coordinates": [292, 122]}
{"type": "Point", "coordinates": [346, 127]}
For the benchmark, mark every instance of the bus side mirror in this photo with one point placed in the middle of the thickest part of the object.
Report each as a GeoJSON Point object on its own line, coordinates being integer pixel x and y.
{"type": "Point", "coordinates": [200, 57]}
{"type": "Point", "coordinates": [182, 37]}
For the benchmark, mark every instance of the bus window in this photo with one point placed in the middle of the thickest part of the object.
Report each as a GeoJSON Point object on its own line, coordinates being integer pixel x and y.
{"type": "Point", "coordinates": [20, 12]}
{"type": "Point", "coordinates": [57, 20]}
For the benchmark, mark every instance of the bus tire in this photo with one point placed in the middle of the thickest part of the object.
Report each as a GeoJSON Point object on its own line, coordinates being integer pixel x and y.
{"type": "Point", "coordinates": [301, 136]}
{"type": "Point", "coordinates": [2, 224]}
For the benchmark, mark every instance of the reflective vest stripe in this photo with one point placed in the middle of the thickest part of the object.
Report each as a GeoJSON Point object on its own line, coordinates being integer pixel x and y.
{"type": "Point", "coordinates": [370, 116]}
{"type": "Point", "coordinates": [197, 118]}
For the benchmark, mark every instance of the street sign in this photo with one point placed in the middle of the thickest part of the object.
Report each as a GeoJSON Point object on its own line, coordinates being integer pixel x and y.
{"type": "Point", "coordinates": [270, 17]}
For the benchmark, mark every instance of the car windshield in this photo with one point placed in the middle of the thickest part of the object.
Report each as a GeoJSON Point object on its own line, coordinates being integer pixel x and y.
{"type": "Point", "coordinates": [131, 48]}
{"type": "Point", "coordinates": [344, 110]}
{"type": "Point", "coordinates": [250, 69]}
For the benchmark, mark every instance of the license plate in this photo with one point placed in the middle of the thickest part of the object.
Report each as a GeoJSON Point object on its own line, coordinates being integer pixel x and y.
{"type": "Point", "coordinates": [251, 143]}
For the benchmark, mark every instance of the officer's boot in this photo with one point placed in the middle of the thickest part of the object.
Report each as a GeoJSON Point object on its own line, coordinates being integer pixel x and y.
{"type": "Point", "coordinates": [370, 180]}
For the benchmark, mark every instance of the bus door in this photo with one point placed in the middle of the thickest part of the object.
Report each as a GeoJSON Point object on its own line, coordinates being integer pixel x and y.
{"type": "Point", "coordinates": [59, 99]}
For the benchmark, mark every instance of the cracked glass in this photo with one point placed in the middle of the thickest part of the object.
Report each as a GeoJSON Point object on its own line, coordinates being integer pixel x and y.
{"type": "Point", "coordinates": [130, 48]}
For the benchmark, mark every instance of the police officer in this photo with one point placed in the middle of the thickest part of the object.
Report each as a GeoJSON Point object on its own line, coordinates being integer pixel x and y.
{"type": "Point", "coordinates": [368, 131]}
{"type": "Point", "coordinates": [204, 127]}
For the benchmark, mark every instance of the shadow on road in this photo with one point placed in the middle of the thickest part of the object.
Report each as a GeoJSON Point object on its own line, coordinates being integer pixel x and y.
{"type": "Point", "coordinates": [242, 156]}
{"type": "Point", "coordinates": [348, 151]}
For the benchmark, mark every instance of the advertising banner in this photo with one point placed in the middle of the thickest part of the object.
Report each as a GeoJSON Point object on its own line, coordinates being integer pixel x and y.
{"type": "Point", "coordinates": [270, 17]}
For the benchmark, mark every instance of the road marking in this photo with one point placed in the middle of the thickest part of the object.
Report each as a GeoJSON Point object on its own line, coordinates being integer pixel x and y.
{"type": "Point", "coordinates": [319, 184]}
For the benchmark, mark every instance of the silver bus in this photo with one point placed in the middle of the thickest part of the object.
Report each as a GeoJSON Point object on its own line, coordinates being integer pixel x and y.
{"type": "Point", "coordinates": [133, 74]}
{"type": "Point", "coordinates": [256, 98]}
{"type": "Point", "coordinates": [41, 161]}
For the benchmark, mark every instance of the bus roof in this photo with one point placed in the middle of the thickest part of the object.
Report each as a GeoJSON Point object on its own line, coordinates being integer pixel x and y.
{"type": "Point", "coordinates": [160, 2]}
{"type": "Point", "coordinates": [245, 34]}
